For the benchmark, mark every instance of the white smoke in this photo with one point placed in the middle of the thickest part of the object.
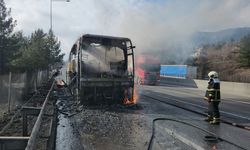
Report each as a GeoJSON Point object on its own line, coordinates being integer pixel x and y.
{"type": "Point", "coordinates": [153, 25]}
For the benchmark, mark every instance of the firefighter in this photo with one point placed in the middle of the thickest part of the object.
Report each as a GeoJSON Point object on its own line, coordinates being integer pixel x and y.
{"type": "Point", "coordinates": [213, 97]}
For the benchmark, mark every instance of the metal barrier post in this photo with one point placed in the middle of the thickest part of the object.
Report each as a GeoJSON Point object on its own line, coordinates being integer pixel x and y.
{"type": "Point", "coordinates": [9, 92]}
{"type": "Point", "coordinates": [25, 124]}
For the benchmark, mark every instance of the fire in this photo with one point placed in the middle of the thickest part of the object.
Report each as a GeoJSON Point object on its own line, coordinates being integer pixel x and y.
{"type": "Point", "coordinates": [131, 101]}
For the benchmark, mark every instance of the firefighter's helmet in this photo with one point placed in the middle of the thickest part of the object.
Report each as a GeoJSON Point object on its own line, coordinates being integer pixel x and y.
{"type": "Point", "coordinates": [213, 74]}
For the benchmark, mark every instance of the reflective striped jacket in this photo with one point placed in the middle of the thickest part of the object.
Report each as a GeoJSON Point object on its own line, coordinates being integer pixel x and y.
{"type": "Point", "coordinates": [213, 90]}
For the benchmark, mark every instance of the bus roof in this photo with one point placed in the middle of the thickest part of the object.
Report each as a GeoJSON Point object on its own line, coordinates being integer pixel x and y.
{"type": "Point", "coordinates": [103, 40]}
{"type": "Point", "coordinates": [93, 36]}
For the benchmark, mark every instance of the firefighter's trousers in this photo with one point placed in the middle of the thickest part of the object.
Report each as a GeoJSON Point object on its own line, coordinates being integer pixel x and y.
{"type": "Point", "coordinates": [213, 109]}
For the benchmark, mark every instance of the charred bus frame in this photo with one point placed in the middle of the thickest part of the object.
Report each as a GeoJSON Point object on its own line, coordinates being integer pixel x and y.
{"type": "Point", "coordinates": [96, 73]}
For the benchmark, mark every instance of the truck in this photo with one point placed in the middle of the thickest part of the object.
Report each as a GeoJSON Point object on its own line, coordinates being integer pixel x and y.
{"type": "Point", "coordinates": [178, 71]}
{"type": "Point", "coordinates": [101, 69]}
{"type": "Point", "coordinates": [147, 70]}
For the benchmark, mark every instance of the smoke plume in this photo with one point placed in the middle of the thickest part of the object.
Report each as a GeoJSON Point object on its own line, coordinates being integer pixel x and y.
{"type": "Point", "coordinates": [160, 27]}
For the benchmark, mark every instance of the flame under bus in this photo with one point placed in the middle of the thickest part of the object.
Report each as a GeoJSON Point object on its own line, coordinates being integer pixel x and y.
{"type": "Point", "coordinates": [101, 69]}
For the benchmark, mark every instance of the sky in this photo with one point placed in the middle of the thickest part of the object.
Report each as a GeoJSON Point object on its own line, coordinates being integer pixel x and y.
{"type": "Point", "coordinates": [150, 24]}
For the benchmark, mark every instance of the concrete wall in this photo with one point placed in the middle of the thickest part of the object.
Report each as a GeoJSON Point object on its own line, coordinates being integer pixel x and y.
{"type": "Point", "coordinates": [178, 81]}
{"type": "Point", "coordinates": [233, 88]}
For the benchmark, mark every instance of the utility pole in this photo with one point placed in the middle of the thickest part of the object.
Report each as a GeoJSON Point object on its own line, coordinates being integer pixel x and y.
{"type": "Point", "coordinates": [51, 27]}
{"type": "Point", "coordinates": [51, 10]}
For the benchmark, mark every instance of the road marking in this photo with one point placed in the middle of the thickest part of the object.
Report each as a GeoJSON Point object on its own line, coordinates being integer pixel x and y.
{"type": "Point", "coordinates": [183, 139]}
{"type": "Point", "coordinates": [225, 100]}
{"type": "Point", "coordinates": [206, 108]}
{"type": "Point", "coordinates": [184, 93]}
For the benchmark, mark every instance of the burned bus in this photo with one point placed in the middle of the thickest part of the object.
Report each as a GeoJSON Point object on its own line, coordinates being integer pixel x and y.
{"type": "Point", "coordinates": [101, 69]}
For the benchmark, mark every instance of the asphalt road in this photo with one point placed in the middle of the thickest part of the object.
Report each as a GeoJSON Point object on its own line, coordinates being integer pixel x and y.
{"type": "Point", "coordinates": [130, 127]}
{"type": "Point", "coordinates": [233, 108]}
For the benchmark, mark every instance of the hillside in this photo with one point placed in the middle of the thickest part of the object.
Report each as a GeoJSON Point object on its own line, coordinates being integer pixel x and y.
{"type": "Point", "coordinates": [228, 35]}
{"type": "Point", "coordinates": [222, 58]}
{"type": "Point", "coordinates": [180, 52]}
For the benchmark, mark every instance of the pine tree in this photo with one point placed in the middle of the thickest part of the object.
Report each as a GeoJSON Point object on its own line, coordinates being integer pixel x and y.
{"type": "Point", "coordinates": [38, 52]}
{"type": "Point", "coordinates": [244, 51]}
{"type": "Point", "coordinates": [33, 55]}
{"type": "Point", "coordinates": [56, 57]}
{"type": "Point", "coordinates": [6, 29]}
